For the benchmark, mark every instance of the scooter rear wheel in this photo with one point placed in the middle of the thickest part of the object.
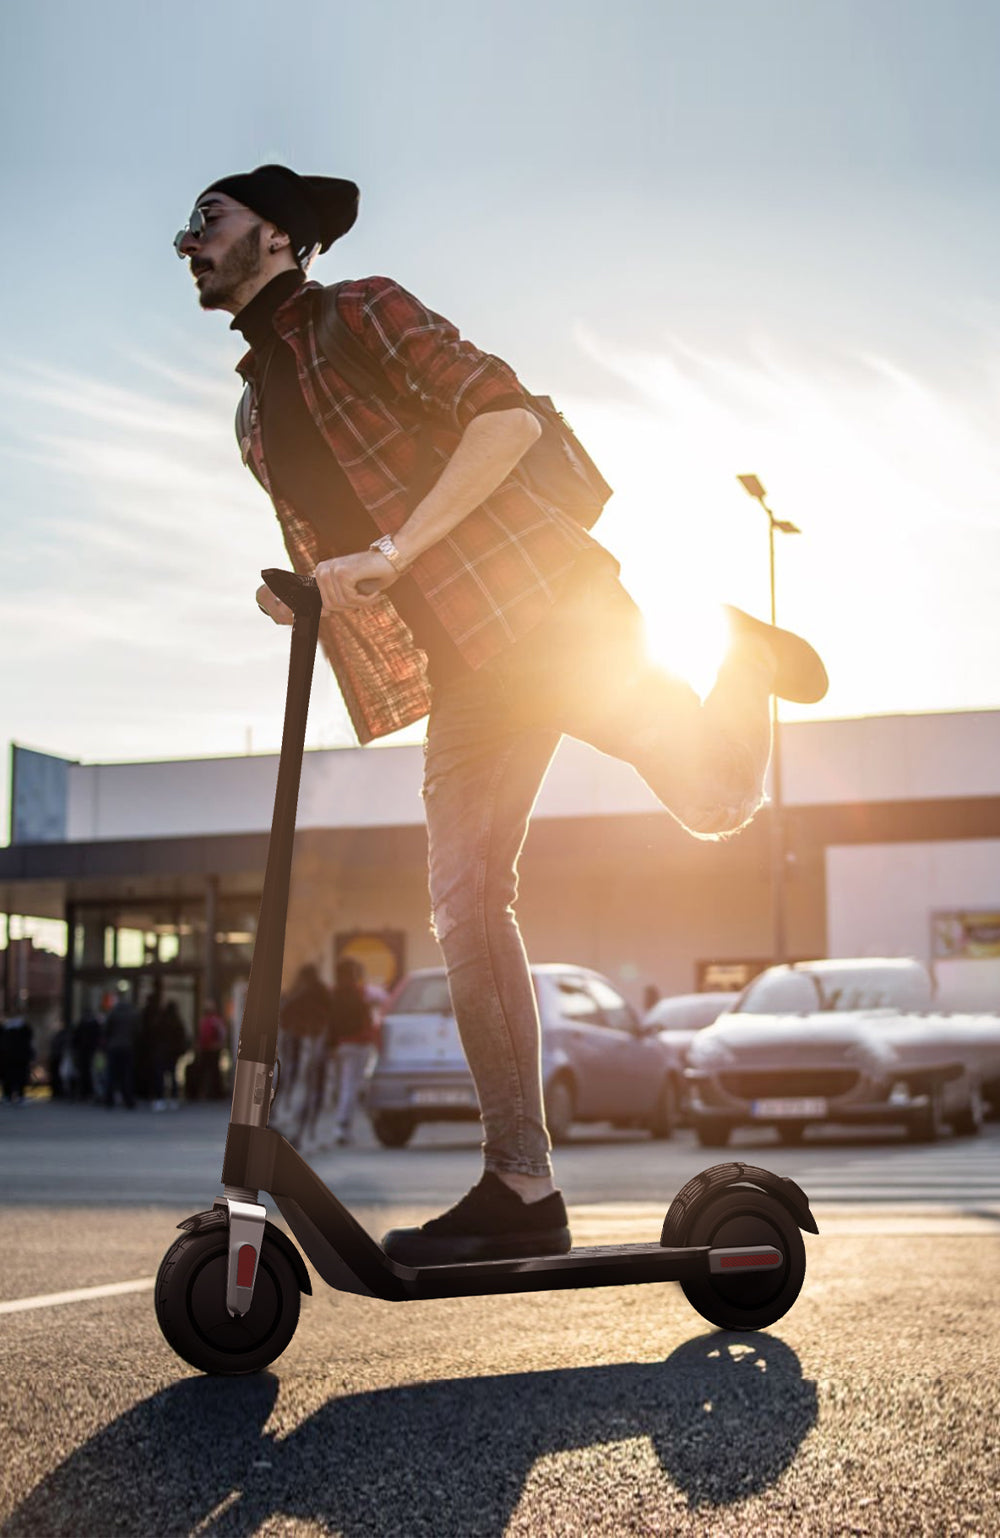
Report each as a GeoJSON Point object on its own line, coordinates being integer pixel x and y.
{"type": "Point", "coordinates": [747, 1301]}
{"type": "Point", "coordinates": [191, 1305]}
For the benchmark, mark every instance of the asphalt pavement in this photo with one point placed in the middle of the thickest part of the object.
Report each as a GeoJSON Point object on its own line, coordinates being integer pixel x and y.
{"type": "Point", "coordinates": [871, 1408]}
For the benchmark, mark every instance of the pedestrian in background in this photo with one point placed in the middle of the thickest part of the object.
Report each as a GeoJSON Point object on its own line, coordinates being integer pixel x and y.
{"type": "Point", "coordinates": [146, 1077]}
{"type": "Point", "coordinates": [304, 1016]}
{"type": "Point", "coordinates": [121, 1031]}
{"type": "Point", "coordinates": [305, 1024]}
{"type": "Point", "coordinates": [17, 1053]}
{"type": "Point", "coordinates": [353, 1035]}
{"type": "Point", "coordinates": [62, 1065]}
{"type": "Point", "coordinates": [211, 1040]}
{"type": "Point", "coordinates": [169, 1042]}
{"type": "Point", "coordinates": [86, 1034]}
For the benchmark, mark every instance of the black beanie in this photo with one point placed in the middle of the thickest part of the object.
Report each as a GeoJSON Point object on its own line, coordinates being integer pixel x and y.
{"type": "Point", "coordinates": [311, 210]}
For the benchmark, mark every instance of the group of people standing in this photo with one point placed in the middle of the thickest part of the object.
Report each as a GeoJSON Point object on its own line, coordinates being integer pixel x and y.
{"type": "Point", "coordinates": [122, 1053]}
{"type": "Point", "coordinates": [328, 1036]}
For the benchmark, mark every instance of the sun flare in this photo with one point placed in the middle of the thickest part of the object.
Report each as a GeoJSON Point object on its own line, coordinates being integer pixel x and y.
{"type": "Point", "coordinates": [689, 640]}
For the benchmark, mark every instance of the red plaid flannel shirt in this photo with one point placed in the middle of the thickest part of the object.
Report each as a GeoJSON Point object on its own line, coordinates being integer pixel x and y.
{"type": "Point", "coordinates": [495, 575]}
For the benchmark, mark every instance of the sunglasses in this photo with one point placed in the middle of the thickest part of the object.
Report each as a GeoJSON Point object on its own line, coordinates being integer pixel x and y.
{"type": "Point", "coordinates": [195, 227]}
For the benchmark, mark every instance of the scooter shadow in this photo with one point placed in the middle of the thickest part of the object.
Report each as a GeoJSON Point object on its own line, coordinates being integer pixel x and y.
{"type": "Point", "coordinates": [726, 1414]}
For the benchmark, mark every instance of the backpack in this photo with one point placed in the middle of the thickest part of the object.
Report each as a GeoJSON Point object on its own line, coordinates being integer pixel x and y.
{"type": "Point", "coordinates": [557, 468]}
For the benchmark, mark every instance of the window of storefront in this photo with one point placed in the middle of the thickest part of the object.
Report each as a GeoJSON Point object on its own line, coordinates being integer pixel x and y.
{"type": "Point", "coordinates": [135, 948]}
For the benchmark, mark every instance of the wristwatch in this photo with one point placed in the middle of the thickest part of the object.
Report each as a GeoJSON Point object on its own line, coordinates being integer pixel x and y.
{"type": "Point", "coordinates": [385, 546]}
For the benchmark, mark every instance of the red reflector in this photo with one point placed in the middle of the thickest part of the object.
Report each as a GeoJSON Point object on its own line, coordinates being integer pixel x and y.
{"type": "Point", "coordinates": [246, 1261]}
{"type": "Point", "coordinates": [736, 1262]}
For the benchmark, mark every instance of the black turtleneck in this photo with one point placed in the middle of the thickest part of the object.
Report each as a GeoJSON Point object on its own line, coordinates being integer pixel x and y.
{"type": "Point", "coordinates": [303, 471]}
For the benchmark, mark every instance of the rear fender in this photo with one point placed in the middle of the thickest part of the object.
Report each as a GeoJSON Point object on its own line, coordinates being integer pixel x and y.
{"type": "Point", "coordinates": [725, 1177]}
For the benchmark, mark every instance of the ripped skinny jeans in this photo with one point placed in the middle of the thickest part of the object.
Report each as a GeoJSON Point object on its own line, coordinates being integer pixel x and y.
{"type": "Point", "coordinates": [491, 737]}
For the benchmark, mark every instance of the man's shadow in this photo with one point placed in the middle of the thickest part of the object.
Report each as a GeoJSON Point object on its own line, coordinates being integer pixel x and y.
{"type": "Point", "coordinates": [725, 1413]}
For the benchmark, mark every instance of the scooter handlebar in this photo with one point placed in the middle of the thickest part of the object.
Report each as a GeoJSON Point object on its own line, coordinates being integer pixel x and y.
{"type": "Point", "coordinates": [301, 594]}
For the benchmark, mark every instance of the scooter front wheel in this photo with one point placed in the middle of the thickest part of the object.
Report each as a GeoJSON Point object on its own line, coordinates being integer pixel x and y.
{"type": "Point", "coordinates": [746, 1301]}
{"type": "Point", "coordinates": [191, 1308]}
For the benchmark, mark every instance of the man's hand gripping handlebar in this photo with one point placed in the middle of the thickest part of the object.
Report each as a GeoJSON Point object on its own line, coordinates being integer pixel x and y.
{"type": "Point", "coordinates": [283, 594]}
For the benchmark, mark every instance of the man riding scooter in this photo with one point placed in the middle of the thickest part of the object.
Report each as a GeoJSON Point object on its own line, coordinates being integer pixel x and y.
{"type": "Point", "coordinates": [451, 589]}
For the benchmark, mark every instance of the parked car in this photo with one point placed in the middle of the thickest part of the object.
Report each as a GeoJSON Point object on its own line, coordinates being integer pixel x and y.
{"type": "Point", "coordinates": [897, 983]}
{"type": "Point", "coordinates": [678, 1020]}
{"type": "Point", "coordinates": [599, 1062]}
{"type": "Point", "coordinates": [840, 1042]}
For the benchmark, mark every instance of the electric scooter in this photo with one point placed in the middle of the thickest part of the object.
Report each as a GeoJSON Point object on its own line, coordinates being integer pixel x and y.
{"type": "Point", "coordinates": [228, 1291]}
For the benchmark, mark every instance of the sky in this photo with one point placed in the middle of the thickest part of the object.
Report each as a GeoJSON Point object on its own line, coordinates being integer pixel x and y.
{"type": "Point", "coordinates": [752, 236]}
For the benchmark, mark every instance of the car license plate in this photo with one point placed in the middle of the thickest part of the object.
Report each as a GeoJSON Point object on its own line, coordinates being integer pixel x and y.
{"type": "Point", "coordinates": [796, 1108]}
{"type": "Point", "coordinates": [442, 1097]}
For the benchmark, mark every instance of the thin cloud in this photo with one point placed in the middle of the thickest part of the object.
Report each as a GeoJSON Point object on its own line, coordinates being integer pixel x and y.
{"type": "Point", "coordinates": [851, 430]}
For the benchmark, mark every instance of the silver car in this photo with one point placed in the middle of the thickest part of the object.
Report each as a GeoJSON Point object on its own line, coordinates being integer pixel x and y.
{"type": "Point", "coordinates": [815, 1043]}
{"type": "Point", "coordinates": [599, 1062]}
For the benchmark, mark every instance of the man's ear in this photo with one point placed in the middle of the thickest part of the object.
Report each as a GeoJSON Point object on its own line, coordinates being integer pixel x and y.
{"type": "Point", "coordinates": [278, 241]}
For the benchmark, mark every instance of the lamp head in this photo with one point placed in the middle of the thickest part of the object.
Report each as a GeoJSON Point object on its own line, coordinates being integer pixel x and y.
{"type": "Point", "coordinates": [751, 485]}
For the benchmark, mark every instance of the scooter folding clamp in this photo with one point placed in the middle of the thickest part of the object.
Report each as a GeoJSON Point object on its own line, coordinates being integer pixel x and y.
{"type": "Point", "coordinates": [246, 1235]}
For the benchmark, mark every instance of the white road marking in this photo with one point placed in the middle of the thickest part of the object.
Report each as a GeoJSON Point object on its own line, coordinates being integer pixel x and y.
{"type": "Point", "coordinates": [80, 1295]}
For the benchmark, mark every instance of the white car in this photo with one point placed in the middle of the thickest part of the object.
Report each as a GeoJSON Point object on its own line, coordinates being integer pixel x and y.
{"type": "Point", "coordinates": [847, 1042]}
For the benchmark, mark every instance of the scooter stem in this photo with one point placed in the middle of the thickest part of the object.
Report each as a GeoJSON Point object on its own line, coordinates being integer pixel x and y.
{"type": "Point", "coordinates": [259, 1029]}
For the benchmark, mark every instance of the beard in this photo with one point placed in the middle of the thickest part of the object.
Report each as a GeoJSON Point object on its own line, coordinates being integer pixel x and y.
{"type": "Point", "coordinates": [240, 264]}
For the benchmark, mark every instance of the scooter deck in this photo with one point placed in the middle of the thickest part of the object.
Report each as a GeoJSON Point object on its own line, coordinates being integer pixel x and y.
{"type": "Point", "coordinates": [603, 1265]}
{"type": "Point", "coordinates": [348, 1258]}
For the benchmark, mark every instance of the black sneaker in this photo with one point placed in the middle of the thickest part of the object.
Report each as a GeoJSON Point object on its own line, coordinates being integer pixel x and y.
{"type": "Point", "coordinates": [800, 674]}
{"type": "Point", "coordinates": [490, 1223]}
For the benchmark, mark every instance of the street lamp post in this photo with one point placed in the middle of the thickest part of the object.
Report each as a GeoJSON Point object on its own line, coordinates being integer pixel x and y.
{"type": "Point", "coordinates": [752, 486]}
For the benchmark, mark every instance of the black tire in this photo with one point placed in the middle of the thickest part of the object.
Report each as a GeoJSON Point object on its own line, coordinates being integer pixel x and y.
{"type": "Point", "coordinates": [968, 1122]}
{"type": "Point", "coordinates": [791, 1133]}
{"type": "Point", "coordinates": [928, 1124]}
{"type": "Point", "coordinates": [713, 1134]}
{"type": "Point", "coordinates": [754, 1301]}
{"type": "Point", "coordinates": [190, 1300]}
{"type": "Point", "coordinates": [559, 1110]}
{"type": "Point", "coordinates": [664, 1117]}
{"type": "Point", "coordinates": [393, 1128]}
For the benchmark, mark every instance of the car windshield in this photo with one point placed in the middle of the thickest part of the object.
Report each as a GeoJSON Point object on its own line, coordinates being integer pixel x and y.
{"type": "Point", "coordinates": [690, 1014]}
{"type": "Point", "coordinates": [781, 993]}
{"type": "Point", "coordinates": [423, 996]}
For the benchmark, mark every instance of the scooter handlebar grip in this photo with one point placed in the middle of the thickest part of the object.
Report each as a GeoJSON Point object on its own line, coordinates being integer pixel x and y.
{"type": "Point", "coordinates": [301, 594]}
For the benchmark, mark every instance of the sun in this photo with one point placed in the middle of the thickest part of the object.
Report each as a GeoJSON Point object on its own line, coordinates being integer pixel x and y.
{"type": "Point", "coordinates": [689, 639]}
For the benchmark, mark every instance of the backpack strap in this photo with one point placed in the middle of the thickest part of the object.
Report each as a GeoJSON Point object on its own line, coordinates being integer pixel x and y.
{"type": "Point", "coordinates": [352, 359]}
{"type": "Point", "coordinates": [353, 362]}
{"type": "Point", "coordinates": [244, 429]}
{"type": "Point", "coordinates": [349, 356]}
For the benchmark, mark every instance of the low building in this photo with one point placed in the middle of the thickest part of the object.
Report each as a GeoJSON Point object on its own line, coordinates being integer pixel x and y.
{"type": "Point", "coordinates": [891, 837]}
